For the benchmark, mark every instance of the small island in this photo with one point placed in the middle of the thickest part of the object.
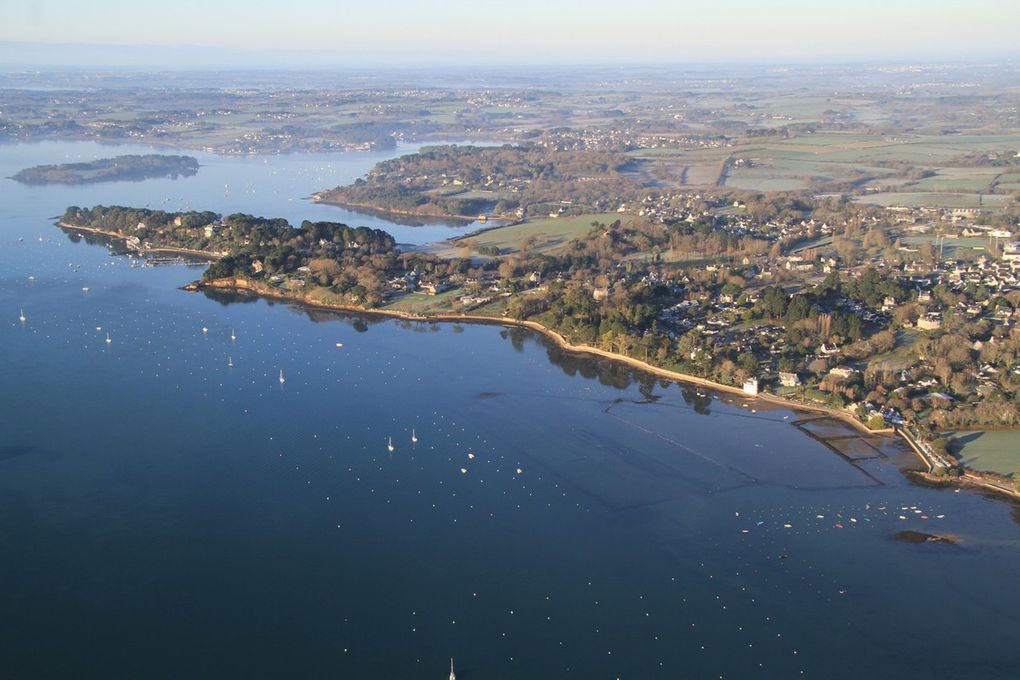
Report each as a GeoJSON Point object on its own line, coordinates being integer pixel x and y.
{"type": "Point", "coordinates": [118, 168]}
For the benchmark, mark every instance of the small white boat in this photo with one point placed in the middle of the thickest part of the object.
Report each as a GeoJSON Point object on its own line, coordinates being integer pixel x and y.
{"type": "Point", "coordinates": [21, 315]}
{"type": "Point", "coordinates": [281, 377]}
{"type": "Point", "coordinates": [204, 329]}
{"type": "Point", "coordinates": [230, 362]}
{"type": "Point", "coordinates": [389, 445]}
{"type": "Point", "coordinates": [232, 336]}
{"type": "Point", "coordinates": [414, 437]}
{"type": "Point", "coordinates": [452, 676]}
{"type": "Point", "coordinates": [108, 340]}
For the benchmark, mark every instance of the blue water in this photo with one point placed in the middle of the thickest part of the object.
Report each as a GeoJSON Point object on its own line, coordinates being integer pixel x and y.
{"type": "Point", "coordinates": [165, 515]}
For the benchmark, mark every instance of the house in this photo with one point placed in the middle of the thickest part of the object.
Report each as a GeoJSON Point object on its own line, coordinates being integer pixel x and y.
{"type": "Point", "coordinates": [929, 322]}
{"type": "Point", "coordinates": [842, 372]}
{"type": "Point", "coordinates": [789, 379]}
{"type": "Point", "coordinates": [827, 348]}
{"type": "Point", "coordinates": [434, 287]}
{"type": "Point", "coordinates": [751, 386]}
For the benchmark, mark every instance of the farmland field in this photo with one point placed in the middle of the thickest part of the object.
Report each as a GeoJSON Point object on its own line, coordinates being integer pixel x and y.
{"type": "Point", "coordinates": [935, 199]}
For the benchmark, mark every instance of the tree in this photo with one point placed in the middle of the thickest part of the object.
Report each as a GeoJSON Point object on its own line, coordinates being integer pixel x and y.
{"type": "Point", "coordinates": [876, 422]}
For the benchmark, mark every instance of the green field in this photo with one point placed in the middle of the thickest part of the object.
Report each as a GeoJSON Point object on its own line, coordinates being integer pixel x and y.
{"type": "Point", "coordinates": [934, 199]}
{"type": "Point", "coordinates": [995, 451]}
{"type": "Point", "coordinates": [421, 303]}
{"type": "Point", "coordinates": [550, 234]}
{"type": "Point", "coordinates": [952, 247]}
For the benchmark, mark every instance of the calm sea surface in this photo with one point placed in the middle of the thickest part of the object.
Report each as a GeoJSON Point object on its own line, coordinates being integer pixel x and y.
{"type": "Point", "coordinates": [163, 514]}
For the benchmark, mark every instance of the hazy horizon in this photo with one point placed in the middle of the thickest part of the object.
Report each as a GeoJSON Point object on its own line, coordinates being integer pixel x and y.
{"type": "Point", "coordinates": [319, 34]}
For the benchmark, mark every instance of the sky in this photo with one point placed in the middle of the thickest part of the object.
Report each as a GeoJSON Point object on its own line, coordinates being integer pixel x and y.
{"type": "Point", "coordinates": [299, 33]}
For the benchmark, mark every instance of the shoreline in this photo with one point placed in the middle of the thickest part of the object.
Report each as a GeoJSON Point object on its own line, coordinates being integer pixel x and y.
{"type": "Point", "coordinates": [200, 254]}
{"type": "Point", "coordinates": [383, 212]}
{"type": "Point", "coordinates": [970, 479]}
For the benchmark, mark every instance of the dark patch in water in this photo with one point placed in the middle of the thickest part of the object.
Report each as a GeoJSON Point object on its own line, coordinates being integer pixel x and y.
{"type": "Point", "coordinates": [488, 395]}
{"type": "Point", "coordinates": [909, 536]}
{"type": "Point", "coordinates": [15, 450]}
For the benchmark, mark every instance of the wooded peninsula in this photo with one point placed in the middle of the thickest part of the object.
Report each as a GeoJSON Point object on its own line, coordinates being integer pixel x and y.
{"type": "Point", "coordinates": [863, 339]}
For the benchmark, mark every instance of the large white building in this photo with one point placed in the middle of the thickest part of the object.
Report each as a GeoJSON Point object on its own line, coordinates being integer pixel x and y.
{"type": "Point", "coordinates": [1011, 251]}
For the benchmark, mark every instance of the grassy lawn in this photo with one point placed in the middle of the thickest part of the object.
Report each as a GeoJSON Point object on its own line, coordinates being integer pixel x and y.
{"type": "Point", "coordinates": [902, 356]}
{"type": "Point", "coordinates": [421, 303]}
{"type": "Point", "coordinates": [994, 451]}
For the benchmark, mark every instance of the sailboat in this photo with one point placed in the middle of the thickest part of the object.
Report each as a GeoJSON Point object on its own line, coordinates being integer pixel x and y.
{"type": "Point", "coordinates": [230, 362]}
{"type": "Point", "coordinates": [21, 315]}
{"type": "Point", "coordinates": [414, 437]}
{"type": "Point", "coordinates": [108, 340]}
{"type": "Point", "coordinates": [389, 445]}
{"type": "Point", "coordinates": [232, 336]}
{"type": "Point", "coordinates": [452, 675]}
{"type": "Point", "coordinates": [281, 377]}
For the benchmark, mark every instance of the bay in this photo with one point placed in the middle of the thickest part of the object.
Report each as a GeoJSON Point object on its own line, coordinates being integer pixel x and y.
{"type": "Point", "coordinates": [165, 514]}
